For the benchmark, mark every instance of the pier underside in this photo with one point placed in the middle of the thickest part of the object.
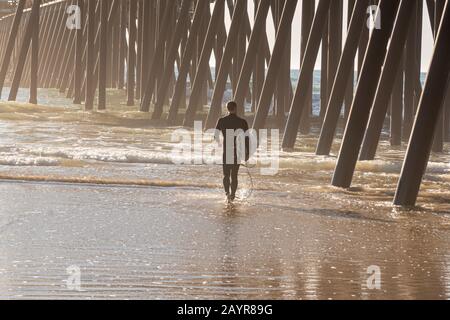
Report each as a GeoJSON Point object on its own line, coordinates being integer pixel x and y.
{"type": "Point", "coordinates": [179, 61]}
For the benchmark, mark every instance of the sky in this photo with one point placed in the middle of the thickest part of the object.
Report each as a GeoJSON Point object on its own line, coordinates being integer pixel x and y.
{"type": "Point", "coordinates": [427, 45]}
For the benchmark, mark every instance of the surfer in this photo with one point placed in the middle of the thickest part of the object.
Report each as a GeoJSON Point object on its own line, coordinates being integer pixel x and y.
{"type": "Point", "coordinates": [234, 131]}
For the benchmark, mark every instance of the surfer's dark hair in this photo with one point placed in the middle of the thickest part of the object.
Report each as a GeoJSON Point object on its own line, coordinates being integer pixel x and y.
{"type": "Point", "coordinates": [232, 106]}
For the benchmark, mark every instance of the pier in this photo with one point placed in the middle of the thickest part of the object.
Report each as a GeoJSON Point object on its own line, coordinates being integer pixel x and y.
{"type": "Point", "coordinates": [159, 53]}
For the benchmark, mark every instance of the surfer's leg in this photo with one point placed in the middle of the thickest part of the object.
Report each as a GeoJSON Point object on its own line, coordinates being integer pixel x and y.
{"type": "Point", "coordinates": [234, 179]}
{"type": "Point", "coordinates": [226, 178]}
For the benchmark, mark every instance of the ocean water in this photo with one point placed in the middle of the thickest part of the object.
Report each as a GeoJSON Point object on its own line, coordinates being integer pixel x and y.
{"type": "Point", "coordinates": [99, 191]}
{"type": "Point", "coordinates": [295, 73]}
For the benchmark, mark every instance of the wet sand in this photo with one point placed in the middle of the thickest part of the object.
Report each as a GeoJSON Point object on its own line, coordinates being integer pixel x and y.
{"type": "Point", "coordinates": [185, 243]}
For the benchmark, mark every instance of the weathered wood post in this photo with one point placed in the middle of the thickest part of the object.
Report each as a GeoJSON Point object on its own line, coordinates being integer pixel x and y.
{"type": "Point", "coordinates": [273, 69]}
{"type": "Point", "coordinates": [34, 52]}
{"type": "Point", "coordinates": [203, 65]}
{"type": "Point", "coordinates": [438, 143]}
{"type": "Point", "coordinates": [225, 66]}
{"type": "Point", "coordinates": [343, 74]}
{"type": "Point", "coordinates": [308, 8]}
{"type": "Point", "coordinates": [307, 67]}
{"type": "Point", "coordinates": [365, 92]}
{"type": "Point", "coordinates": [385, 88]}
{"type": "Point", "coordinates": [249, 60]}
{"type": "Point", "coordinates": [156, 65]}
{"type": "Point", "coordinates": [11, 43]}
{"type": "Point", "coordinates": [78, 73]}
{"type": "Point", "coordinates": [90, 57]}
{"type": "Point", "coordinates": [351, 82]}
{"type": "Point", "coordinates": [430, 107]}
{"type": "Point", "coordinates": [188, 55]}
{"type": "Point", "coordinates": [123, 47]}
{"type": "Point", "coordinates": [131, 62]}
{"type": "Point", "coordinates": [103, 66]}
{"type": "Point", "coordinates": [28, 35]}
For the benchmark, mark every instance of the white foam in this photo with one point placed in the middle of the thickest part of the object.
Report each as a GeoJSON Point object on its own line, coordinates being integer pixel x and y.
{"type": "Point", "coordinates": [52, 156]}
{"type": "Point", "coordinates": [102, 155]}
{"type": "Point", "coordinates": [28, 161]}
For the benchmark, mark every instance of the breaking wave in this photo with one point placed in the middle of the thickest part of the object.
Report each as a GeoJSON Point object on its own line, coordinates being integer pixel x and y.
{"type": "Point", "coordinates": [19, 161]}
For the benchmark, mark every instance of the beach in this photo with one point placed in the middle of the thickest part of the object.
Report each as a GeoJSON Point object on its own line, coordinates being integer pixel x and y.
{"type": "Point", "coordinates": [98, 192]}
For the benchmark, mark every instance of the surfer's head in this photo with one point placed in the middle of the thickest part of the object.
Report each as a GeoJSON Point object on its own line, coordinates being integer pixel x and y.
{"type": "Point", "coordinates": [232, 107]}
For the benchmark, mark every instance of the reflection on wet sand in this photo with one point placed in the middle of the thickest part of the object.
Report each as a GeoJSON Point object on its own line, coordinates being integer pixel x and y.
{"type": "Point", "coordinates": [152, 243]}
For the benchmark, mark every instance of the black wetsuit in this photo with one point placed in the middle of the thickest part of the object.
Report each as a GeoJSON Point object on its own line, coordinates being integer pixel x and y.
{"type": "Point", "coordinates": [231, 168]}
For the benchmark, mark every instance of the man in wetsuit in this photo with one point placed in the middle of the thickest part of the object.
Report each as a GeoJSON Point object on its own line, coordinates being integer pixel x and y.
{"type": "Point", "coordinates": [232, 128]}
